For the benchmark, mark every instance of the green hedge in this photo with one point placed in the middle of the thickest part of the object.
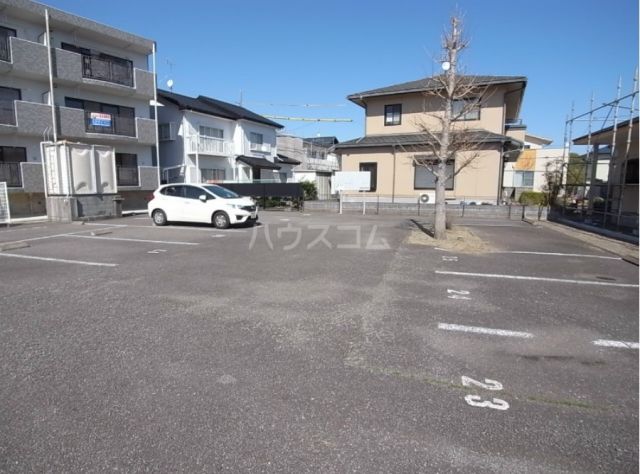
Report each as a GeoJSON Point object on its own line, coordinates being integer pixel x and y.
{"type": "Point", "coordinates": [533, 198]}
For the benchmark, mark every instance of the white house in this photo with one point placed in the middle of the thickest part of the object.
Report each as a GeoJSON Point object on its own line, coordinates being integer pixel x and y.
{"type": "Point", "coordinates": [315, 157]}
{"type": "Point", "coordinates": [206, 140]}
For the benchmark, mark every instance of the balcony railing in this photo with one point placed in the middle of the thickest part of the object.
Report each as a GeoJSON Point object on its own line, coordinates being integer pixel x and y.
{"type": "Point", "coordinates": [111, 124]}
{"type": "Point", "coordinates": [119, 72]}
{"type": "Point", "coordinates": [11, 174]}
{"type": "Point", "coordinates": [261, 147]}
{"type": "Point", "coordinates": [210, 146]}
{"type": "Point", "coordinates": [127, 176]}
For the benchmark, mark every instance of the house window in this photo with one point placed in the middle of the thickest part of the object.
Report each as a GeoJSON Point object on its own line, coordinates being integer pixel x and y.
{"type": "Point", "coordinates": [5, 49]}
{"type": "Point", "coordinates": [631, 172]}
{"type": "Point", "coordinates": [393, 114]}
{"type": "Point", "coordinates": [466, 109]}
{"type": "Point", "coordinates": [256, 138]}
{"type": "Point", "coordinates": [167, 131]}
{"type": "Point", "coordinates": [8, 96]}
{"type": "Point", "coordinates": [425, 179]}
{"type": "Point", "coordinates": [211, 132]}
{"type": "Point", "coordinates": [523, 179]}
{"type": "Point", "coordinates": [212, 175]}
{"type": "Point", "coordinates": [373, 169]}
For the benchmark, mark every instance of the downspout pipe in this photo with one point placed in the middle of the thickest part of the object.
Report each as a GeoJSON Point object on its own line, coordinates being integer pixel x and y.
{"type": "Point", "coordinates": [155, 111]}
{"type": "Point", "coordinates": [54, 120]}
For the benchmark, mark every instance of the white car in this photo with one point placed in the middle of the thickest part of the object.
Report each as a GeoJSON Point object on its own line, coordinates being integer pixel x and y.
{"type": "Point", "coordinates": [206, 203]}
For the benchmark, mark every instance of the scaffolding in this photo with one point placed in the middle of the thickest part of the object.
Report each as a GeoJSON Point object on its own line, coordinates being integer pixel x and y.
{"type": "Point", "coordinates": [599, 186]}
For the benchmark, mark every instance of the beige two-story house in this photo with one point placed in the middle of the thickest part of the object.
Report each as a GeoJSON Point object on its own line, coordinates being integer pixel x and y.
{"type": "Point", "coordinates": [396, 118]}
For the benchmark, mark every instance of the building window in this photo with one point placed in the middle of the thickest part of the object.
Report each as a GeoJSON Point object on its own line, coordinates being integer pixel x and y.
{"type": "Point", "coordinates": [10, 158]}
{"type": "Point", "coordinates": [631, 172]}
{"type": "Point", "coordinates": [256, 138]}
{"type": "Point", "coordinates": [393, 114]}
{"type": "Point", "coordinates": [8, 96]}
{"type": "Point", "coordinates": [373, 169]}
{"type": "Point", "coordinates": [5, 48]}
{"type": "Point", "coordinates": [167, 131]}
{"type": "Point", "coordinates": [425, 179]}
{"type": "Point", "coordinates": [466, 109]}
{"type": "Point", "coordinates": [212, 175]}
{"type": "Point", "coordinates": [105, 118]}
{"type": "Point", "coordinates": [211, 132]}
{"type": "Point", "coordinates": [523, 179]}
{"type": "Point", "coordinates": [103, 67]}
{"type": "Point", "coordinates": [127, 169]}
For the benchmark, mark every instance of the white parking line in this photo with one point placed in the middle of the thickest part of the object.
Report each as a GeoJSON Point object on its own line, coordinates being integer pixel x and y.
{"type": "Point", "coordinates": [167, 227]}
{"type": "Point", "coordinates": [532, 278]}
{"type": "Point", "coordinates": [621, 344]}
{"type": "Point", "coordinates": [131, 240]}
{"type": "Point", "coordinates": [490, 225]}
{"type": "Point", "coordinates": [481, 330]}
{"type": "Point", "coordinates": [558, 254]}
{"type": "Point", "coordinates": [61, 260]}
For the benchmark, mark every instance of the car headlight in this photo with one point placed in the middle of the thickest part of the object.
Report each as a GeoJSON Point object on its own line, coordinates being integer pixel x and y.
{"type": "Point", "coordinates": [235, 206]}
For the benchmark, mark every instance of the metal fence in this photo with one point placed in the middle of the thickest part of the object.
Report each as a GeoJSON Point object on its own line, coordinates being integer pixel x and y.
{"type": "Point", "coordinates": [127, 176]}
{"type": "Point", "coordinates": [119, 125]}
{"type": "Point", "coordinates": [607, 206]}
{"type": "Point", "coordinates": [110, 70]}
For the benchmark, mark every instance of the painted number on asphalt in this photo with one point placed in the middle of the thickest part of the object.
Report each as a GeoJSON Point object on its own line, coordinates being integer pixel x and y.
{"type": "Point", "coordinates": [156, 251]}
{"type": "Point", "coordinates": [477, 401]}
{"type": "Point", "coordinates": [458, 294]}
{"type": "Point", "coordinates": [487, 385]}
{"type": "Point", "coordinates": [449, 258]}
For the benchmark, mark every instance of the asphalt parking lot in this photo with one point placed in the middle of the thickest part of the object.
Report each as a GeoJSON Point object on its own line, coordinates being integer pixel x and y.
{"type": "Point", "coordinates": [314, 343]}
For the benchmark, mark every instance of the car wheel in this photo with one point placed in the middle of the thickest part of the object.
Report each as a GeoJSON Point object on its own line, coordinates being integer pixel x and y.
{"type": "Point", "coordinates": [221, 220]}
{"type": "Point", "coordinates": [159, 217]}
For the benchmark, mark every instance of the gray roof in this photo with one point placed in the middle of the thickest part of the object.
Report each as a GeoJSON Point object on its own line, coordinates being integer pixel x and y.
{"type": "Point", "coordinates": [406, 139]}
{"type": "Point", "coordinates": [431, 83]}
{"type": "Point", "coordinates": [35, 11]}
{"type": "Point", "coordinates": [583, 139]}
{"type": "Point", "coordinates": [285, 160]}
{"type": "Point", "coordinates": [218, 108]}
{"type": "Point", "coordinates": [257, 162]}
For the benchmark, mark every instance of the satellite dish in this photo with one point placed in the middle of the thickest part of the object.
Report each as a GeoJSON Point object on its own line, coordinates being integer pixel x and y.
{"type": "Point", "coordinates": [446, 65]}
{"type": "Point", "coordinates": [170, 83]}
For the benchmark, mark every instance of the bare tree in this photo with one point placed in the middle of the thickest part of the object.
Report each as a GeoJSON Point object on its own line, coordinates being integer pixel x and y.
{"type": "Point", "coordinates": [450, 141]}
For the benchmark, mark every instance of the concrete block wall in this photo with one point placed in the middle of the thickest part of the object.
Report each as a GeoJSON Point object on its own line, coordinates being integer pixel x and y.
{"type": "Point", "coordinates": [96, 206]}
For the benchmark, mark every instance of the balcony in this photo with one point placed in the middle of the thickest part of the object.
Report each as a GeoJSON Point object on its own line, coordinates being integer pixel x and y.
{"type": "Point", "coordinates": [24, 175]}
{"type": "Point", "coordinates": [210, 146]}
{"type": "Point", "coordinates": [29, 59]}
{"type": "Point", "coordinates": [318, 164]}
{"type": "Point", "coordinates": [25, 118]}
{"type": "Point", "coordinates": [79, 124]}
{"type": "Point", "coordinates": [260, 147]}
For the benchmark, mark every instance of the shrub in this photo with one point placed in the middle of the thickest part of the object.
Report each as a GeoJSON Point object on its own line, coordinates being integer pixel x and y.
{"type": "Point", "coordinates": [533, 198]}
{"type": "Point", "coordinates": [309, 190]}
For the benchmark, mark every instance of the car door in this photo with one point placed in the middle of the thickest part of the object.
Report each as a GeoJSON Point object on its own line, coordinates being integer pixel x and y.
{"type": "Point", "coordinates": [197, 210]}
{"type": "Point", "coordinates": [173, 202]}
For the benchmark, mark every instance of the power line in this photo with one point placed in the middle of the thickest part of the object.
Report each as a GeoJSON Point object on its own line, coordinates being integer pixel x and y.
{"type": "Point", "coordinates": [305, 119]}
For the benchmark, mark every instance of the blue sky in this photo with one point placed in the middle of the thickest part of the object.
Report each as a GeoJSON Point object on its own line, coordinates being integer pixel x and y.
{"type": "Point", "coordinates": [297, 52]}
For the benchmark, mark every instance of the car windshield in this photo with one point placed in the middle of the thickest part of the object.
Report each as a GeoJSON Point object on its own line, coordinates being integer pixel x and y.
{"type": "Point", "coordinates": [221, 192]}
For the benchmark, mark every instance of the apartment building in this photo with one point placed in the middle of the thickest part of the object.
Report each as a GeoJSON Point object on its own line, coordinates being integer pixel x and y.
{"type": "Point", "coordinates": [396, 117]}
{"type": "Point", "coordinates": [102, 88]}
{"type": "Point", "coordinates": [207, 140]}
{"type": "Point", "coordinates": [317, 160]}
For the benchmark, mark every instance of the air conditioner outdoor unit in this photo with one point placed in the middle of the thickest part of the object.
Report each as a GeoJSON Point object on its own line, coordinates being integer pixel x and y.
{"type": "Point", "coordinates": [427, 198]}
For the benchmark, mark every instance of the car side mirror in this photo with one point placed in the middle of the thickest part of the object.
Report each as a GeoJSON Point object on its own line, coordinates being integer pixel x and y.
{"type": "Point", "coordinates": [203, 197]}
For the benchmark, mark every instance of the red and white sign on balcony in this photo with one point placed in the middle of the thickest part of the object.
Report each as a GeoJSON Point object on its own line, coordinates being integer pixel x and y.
{"type": "Point", "coordinates": [99, 119]}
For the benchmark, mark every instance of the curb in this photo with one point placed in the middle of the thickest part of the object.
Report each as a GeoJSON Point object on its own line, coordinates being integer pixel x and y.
{"type": "Point", "coordinates": [13, 245]}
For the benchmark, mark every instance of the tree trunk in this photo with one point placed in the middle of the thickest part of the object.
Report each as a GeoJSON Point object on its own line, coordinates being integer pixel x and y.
{"type": "Point", "coordinates": [440, 232]}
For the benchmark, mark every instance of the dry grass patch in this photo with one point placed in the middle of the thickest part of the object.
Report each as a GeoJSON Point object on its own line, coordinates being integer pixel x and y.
{"type": "Point", "coordinates": [459, 239]}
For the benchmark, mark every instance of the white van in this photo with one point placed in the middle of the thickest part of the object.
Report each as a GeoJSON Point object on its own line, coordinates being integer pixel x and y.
{"type": "Point", "coordinates": [206, 203]}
